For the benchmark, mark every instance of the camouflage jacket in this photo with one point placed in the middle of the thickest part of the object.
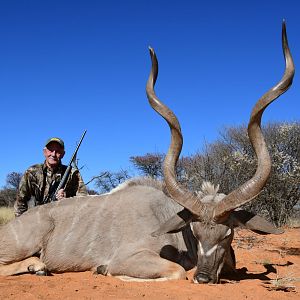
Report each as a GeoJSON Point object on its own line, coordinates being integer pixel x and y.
{"type": "Point", "coordinates": [38, 179]}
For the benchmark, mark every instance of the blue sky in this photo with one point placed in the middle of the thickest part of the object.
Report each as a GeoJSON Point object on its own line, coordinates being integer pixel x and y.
{"type": "Point", "coordinates": [67, 66]}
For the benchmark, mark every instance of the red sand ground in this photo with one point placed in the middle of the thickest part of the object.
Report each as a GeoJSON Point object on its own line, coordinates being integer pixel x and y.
{"type": "Point", "coordinates": [259, 260]}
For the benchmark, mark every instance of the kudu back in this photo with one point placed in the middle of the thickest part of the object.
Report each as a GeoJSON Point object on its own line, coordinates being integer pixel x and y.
{"type": "Point", "coordinates": [145, 229]}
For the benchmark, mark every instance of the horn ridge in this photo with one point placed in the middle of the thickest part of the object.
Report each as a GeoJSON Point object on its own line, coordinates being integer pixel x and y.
{"type": "Point", "coordinates": [176, 191]}
{"type": "Point", "coordinates": [250, 189]}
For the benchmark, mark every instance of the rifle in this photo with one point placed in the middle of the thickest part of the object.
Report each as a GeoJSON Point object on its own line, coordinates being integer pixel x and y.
{"type": "Point", "coordinates": [52, 190]}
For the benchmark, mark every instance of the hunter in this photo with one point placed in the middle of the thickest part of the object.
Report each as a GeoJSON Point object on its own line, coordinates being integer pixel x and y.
{"type": "Point", "coordinates": [40, 181]}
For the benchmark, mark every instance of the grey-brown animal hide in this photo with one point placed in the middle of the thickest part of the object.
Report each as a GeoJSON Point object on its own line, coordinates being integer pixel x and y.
{"type": "Point", "coordinates": [112, 231]}
{"type": "Point", "coordinates": [82, 233]}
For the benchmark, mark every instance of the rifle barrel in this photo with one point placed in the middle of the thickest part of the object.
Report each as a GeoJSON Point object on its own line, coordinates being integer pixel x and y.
{"type": "Point", "coordinates": [77, 148]}
{"type": "Point", "coordinates": [69, 168]}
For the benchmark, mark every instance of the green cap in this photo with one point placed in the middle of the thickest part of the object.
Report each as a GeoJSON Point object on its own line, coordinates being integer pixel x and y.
{"type": "Point", "coordinates": [56, 140]}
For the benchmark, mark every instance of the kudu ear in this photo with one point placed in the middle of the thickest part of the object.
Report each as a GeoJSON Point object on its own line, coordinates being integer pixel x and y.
{"type": "Point", "coordinates": [254, 222]}
{"type": "Point", "coordinates": [175, 223]}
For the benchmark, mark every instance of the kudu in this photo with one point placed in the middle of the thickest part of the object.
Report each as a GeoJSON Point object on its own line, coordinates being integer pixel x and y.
{"type": "Point", "coordinates": [144, 229]}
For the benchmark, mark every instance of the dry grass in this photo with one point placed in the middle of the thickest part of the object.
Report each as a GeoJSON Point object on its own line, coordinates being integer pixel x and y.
{"type": "Point", "coordinates": [282, 283]}
{"type": "Point", "coordinates": [6, 214]}
{"type": "Point", "coordinates": [293, 222]}
{"type": "Point", "coordinates": [246, 240]}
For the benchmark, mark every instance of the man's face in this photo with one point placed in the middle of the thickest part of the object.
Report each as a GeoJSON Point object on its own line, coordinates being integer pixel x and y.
{"type": "Point", "coordinates": [53, 153]}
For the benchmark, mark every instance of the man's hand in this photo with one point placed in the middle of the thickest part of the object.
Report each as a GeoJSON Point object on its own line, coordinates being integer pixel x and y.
{"type": "Point", "coordinates": [61, 194]}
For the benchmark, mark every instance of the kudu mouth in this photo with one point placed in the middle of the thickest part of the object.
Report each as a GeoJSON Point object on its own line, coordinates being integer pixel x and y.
{"type": "Point", "coordinates": [203, 278]}
{"type": "Point", "coordinates": [249, 189]}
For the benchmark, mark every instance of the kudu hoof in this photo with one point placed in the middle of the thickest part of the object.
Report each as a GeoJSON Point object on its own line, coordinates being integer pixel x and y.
{"type": "Point", "coordinates": [42, 273]}
{"type": "Point", "coordinates": [102, 270]}
{"type": "Point", "coordinates": [33, 270]}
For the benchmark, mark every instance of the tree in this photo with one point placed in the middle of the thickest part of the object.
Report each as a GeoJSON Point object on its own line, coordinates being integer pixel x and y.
{"type": "Point", "coordinates": [149, 164]}
{"type": "Point", "coordinates": [9, 192]}
{"type": "Point", "coordinates": [13, 180]}
{"type": "Point", "coordinates": [7, 197]}
{"type": "Point", "coordinates": [231, 161]}
{"type": "Point", "coordinates": [282, 191]}
{"type": "Point", "coordinates": [106, 181]}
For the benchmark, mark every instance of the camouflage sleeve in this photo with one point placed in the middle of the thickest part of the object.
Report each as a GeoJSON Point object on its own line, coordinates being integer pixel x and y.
{"type": "Point", "coordinates": [82, 190]}
{"type": "Point", "coordinates": [75, 185]}
{"type": "Point", "coordinates": [23, 195]}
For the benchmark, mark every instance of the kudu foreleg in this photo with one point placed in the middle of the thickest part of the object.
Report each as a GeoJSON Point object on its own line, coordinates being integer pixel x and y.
{"type": "Point", "coordinates": [28, 265]}
{"type": "Point", "coordinates": [146, 265]}
{"type": "Point", "coordinates": [20, 241]}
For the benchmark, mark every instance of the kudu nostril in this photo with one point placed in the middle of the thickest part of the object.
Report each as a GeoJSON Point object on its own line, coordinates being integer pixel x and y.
{"type": "Point", "coordinates": [202, 278]}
